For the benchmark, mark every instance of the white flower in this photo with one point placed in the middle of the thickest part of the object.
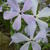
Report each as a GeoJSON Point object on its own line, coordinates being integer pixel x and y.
{"type": "Point", "coordinates": [19, 37]}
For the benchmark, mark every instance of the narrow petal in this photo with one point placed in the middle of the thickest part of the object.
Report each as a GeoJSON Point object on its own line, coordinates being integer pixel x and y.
{"type": "Point", "coordinates": [42, 25]}
{"type": "Point", "coordinates": [30, 29]}
{"type": "Point", "coordinates": [41, 35]}
{"type": "Point", "coordinates": [27, 5]}
{"type": "Point", "coordinates": [18, 37]}
{"type": "Point", "coordinates": [25, 46]}
{"type": "Point", "coordinates": [34, 6]}
{"type": "Point", "coordinates": [36, 46]}
{"type": "Point", "coordinates": [0, 8]}
{"type": "Point", "coordinates": [28, 18]}
{"type": "Point", "coordinates": [9, 15]}
{"type": "Point", "coordinates": [17, 23]}
{"type": "Point", "coordinates": [13, 4]}
{"type": "Point", "coordinates": [44, 13]}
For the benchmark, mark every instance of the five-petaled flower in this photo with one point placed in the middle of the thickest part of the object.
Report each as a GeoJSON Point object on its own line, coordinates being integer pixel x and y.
{"type": "Point", "coordinates": [15, 11]}
{"type": "Point", "coordinates": [19, 37]}
{"type": "Point", "coordinates": [32, 19]}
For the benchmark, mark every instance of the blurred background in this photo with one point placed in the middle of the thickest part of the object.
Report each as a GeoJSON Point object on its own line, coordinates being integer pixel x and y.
{"type": "Point", "coordinates": [5, 29]}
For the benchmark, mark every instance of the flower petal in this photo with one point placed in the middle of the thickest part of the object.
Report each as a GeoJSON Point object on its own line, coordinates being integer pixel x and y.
{"type": "Point", "coordinates": [17, 23]}
{"type": "Point", "coordinates": [42, 25]}
{"type": "Point", "coordinates": [48, 30]}
{"type": "Point", "coordinates": [18, 37]}
{"type": "Point", "coordinates": [48, 35]}
{"type": "Point", "coordinates": [30, 29]}
{"type": "Point", "coordinates": [45, 40]}
{"type": "Point", "coordinates": [28, 18]}
{"type": "Point", "coordinates": [34, 6]}
{"type": "Point", "coordinates": [41, 35]}
{"type": "Point", "coordinates": [44, 13]}
{"type": "Point", "coordinates": [19, 1]}
{"type": "Point", "coordinates": [0, 8]}
{"type": "Point", "coordinates": [27, 5]}
{"type": "Point", "coordinates": [25, 46]}
{"type": "Point", "coordinates": [36, 46]}
{"type": "Point", "coordinates": [9, 15]}
{"type": "Point", "coordinates": [13, 4]}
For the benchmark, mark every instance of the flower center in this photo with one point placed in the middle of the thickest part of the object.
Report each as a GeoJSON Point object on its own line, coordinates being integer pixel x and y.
{"type": "Point", "coordinates": [20, 13]}
{"type": "Point", "coordinates": [31, 39]}
{"type": "Point", "coordinates": [34, 16]}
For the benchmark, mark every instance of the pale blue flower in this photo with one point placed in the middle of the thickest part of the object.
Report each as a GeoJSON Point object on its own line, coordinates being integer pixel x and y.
{"type": "Point", "coordinates": [45, 12]}
{"type": "Point", "coordinates": [15, 11]}
{"type": "Point", "coordinates": [19, 37]}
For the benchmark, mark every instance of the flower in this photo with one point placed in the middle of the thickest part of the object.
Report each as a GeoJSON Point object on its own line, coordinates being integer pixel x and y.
{"type": "Point", "coordinates": [45, 12]}
{"type": "Point", "coordinates": [19, 37]}
{"type": "Point", "coordinates": [15, 11]}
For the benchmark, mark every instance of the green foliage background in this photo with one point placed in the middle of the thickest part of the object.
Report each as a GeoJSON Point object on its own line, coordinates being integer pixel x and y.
{"type": "Point", "coordinates": [5, 28]}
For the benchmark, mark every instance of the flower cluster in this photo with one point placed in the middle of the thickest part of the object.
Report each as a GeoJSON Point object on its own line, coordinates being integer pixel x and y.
{"type": "Point", "coordinates": [31, 20]}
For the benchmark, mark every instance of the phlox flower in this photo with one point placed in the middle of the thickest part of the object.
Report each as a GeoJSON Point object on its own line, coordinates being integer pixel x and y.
{"type": "Point", "coordinates": [15, 11]}
{"type": "Point", "coordinates": [19, 37]}
{"type": "Point", "coordinates": [45, 12]}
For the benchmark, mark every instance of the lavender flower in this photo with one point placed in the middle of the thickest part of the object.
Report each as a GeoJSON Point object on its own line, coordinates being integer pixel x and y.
{"type": "Point", "coordinates": [45, 12]}
{"type": "Point", "coordinates": [15, 11]}
{"type": "Point", "coordinates": [19, 37]}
